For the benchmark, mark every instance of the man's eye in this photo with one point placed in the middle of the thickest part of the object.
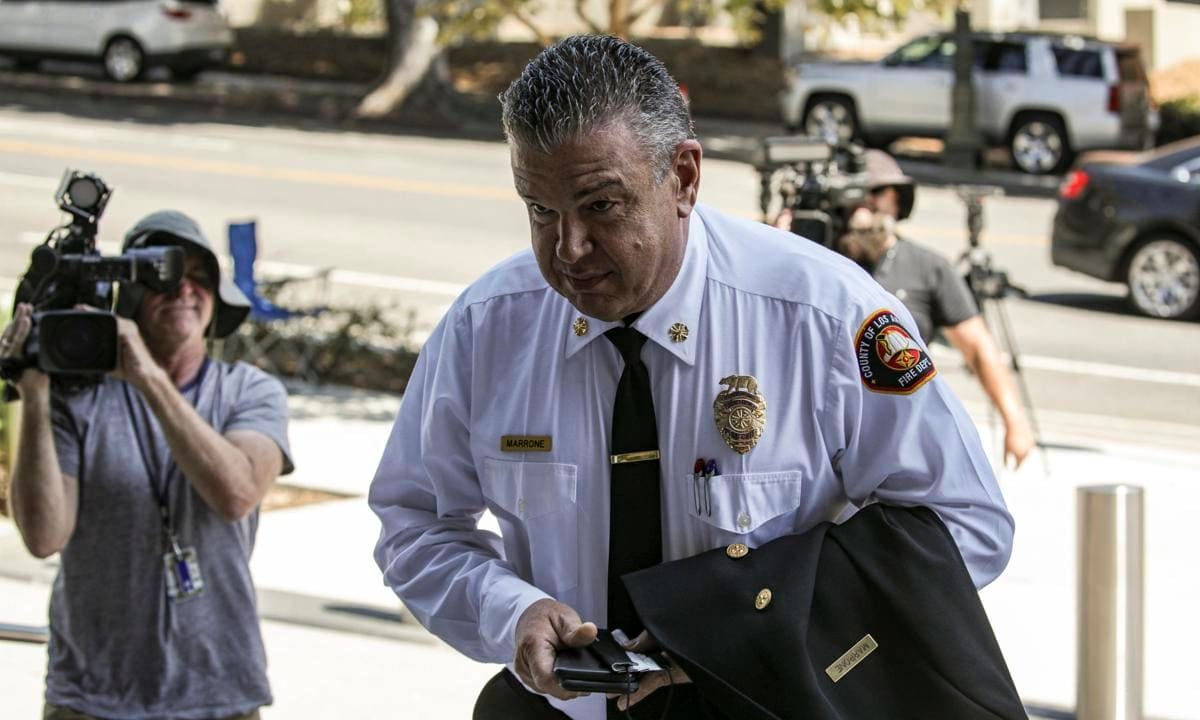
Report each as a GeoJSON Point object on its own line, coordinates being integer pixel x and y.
{"type": "Point", "coordinates": [540, 210]}
{"type": "Point", "coordinates": [602, 205]}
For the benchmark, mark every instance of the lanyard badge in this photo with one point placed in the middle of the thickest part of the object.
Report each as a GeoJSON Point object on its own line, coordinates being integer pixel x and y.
{"type": "Point", "coordinates": [181, 565]}
{"type": "Point", "coordinates": [181, 568]}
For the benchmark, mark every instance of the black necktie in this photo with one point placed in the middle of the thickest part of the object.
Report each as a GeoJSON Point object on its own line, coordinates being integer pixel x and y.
{"type": "Point", "coordinates": [635, 522]}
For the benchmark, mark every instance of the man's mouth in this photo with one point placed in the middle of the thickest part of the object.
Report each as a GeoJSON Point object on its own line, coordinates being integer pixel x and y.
{"type": "Point", "coordinates": [585, 281]}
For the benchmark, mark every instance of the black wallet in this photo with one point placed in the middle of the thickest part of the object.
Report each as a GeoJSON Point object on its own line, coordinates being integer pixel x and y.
{"type": "Point", "coordinates": [603, 666]}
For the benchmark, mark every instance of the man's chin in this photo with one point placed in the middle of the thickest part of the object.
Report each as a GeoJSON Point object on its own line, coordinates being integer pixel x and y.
{"type": "Point", "coordinates": [601, 308]}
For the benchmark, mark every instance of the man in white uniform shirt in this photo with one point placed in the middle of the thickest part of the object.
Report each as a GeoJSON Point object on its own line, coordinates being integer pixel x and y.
{"type": "Point", "coordinates": [773, 358]}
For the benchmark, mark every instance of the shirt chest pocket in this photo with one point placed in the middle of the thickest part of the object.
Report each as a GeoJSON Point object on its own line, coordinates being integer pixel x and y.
{"type": "Point", "coordinates": [751, 507]}
{"type": "Point", "coordinates": [534, 503]}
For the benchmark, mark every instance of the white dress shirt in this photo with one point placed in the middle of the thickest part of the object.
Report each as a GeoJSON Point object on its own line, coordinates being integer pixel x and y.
{"type": "Point", "coordinates": [507, 360]}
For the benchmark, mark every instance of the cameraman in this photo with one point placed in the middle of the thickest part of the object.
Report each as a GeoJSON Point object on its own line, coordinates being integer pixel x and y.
{"type": "Point", "coordinates": [933, 292]}
{"type": "Point", "coordinates": [148, 484]}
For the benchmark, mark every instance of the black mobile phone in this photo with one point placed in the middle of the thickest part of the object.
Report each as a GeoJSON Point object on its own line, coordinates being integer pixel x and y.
{"type": "Point", "coordinates": [603, 666]}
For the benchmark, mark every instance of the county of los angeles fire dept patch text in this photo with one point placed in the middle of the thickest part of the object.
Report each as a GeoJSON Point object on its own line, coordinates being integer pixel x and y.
{"type": "Point", "coordinates": [889, 359]}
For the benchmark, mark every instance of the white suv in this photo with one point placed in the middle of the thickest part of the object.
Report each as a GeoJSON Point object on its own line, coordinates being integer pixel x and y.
{"type": "Point", "coordinates": [127, 36]}
{"type": "Point", "coordinates": [1045, 96]}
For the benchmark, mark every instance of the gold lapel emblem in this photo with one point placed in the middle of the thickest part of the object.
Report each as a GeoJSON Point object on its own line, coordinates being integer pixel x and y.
{"type": "Point", "coordinates": [678, 332]}
{"type": "Point", "coordinates": [740, 412]}
{"type": "Point", "coordinates": [580, 326]}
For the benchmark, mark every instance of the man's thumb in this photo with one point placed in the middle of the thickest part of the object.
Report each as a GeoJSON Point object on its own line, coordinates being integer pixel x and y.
{"type": "Point", "coordinates": [574, 633]}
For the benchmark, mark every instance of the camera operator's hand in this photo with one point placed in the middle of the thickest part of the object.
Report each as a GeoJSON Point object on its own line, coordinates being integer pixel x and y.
{"type": "Point", "coordinates": [135, 364]}
{"type": "Point", "coordinates": [543, 628]}
{"type": "Point", "coordinates": [33, 383]}
{"type": "Point", "coordinates": [649, 682]}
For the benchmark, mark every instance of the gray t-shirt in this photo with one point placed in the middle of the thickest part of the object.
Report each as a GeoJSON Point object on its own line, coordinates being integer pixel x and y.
{"type": "Point", "coordinates": [118, 647]}
{"type": "Point", "coordinates": [932, 291]}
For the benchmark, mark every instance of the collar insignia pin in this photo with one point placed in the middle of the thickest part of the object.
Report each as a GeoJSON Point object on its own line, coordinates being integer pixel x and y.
{"type": "Point", "coordinates": [678, 332]}
{"type": "Point", "coordinates": [740, 412]}
{"type": "Point", "coordinates": [580, 326]}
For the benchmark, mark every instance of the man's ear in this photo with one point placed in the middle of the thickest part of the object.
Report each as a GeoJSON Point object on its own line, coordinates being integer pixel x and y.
{"type": "Point", "coordinates": [686, 170]}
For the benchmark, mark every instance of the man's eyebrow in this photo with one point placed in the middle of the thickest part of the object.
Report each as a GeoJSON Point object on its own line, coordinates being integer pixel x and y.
{"type": "Point", "coordinates": [597, 187]}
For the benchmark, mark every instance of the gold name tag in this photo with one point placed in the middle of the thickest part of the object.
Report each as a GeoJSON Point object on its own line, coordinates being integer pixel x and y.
{"type": "Point", "coordinates": [526, 443]}
{"type": "Point", "coordinates": [852, 657]}
{"type": "Point", "coordinates": [633, 457]}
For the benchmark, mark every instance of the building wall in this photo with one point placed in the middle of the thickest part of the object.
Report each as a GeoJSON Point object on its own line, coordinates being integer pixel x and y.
{"type": "Point", "coordinates": [1176, 31]}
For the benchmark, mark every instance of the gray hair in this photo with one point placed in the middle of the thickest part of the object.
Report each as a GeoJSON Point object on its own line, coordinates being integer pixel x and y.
{"type": "Point", "coordinates": [587, 81]}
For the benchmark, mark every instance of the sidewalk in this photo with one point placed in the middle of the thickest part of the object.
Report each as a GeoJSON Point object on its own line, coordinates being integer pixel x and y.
{"type": "Point", "coordinates": [340, 645]}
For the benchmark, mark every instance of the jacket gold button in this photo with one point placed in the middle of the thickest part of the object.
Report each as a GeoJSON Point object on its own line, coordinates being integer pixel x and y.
{"type": "Point", "coordinates": [737, 550]}
{"type": "Point", "coordinates": [763, 599]}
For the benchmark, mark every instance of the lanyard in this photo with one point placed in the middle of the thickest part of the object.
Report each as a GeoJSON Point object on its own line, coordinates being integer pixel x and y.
{"type": "Point", "coordinates": [160, 493]}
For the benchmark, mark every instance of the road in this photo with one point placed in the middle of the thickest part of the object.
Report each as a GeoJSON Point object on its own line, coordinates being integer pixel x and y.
{"type": "Point", "coordinates": [411, 220]}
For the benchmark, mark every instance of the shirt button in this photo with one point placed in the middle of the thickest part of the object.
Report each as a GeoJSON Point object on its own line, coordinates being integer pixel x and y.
{"type": "Point", "coordinates": [743, 521]}
{"type": "Point", "coordinates": [521, 506]}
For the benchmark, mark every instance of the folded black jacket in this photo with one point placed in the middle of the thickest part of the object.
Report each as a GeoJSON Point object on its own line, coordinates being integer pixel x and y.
{"type": "Point", "coordinates": [883, 602]}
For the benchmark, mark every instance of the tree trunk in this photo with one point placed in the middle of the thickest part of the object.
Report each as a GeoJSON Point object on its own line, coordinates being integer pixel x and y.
{"type": "Point", "coordinates": [412, 49]}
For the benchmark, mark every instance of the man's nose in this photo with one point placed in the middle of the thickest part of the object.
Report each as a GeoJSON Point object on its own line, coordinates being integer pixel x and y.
{"type": "Point", "coordinates": [573, 242]}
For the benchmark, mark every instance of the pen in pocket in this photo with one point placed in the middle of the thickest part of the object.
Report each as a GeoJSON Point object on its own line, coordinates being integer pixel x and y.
{"type": "Point", "coordinates": [697, 472]}
{"type": "Point", "coordinates": [709, 471]}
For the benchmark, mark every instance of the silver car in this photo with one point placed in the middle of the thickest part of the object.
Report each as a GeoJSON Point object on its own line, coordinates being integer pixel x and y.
{"type": "Point", "coordinates": [126, 36]}
{"type": "Point", "coordinates": [1044, 96]}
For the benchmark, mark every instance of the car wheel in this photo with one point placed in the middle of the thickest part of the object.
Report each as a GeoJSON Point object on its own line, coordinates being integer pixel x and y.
{"type": "Point", "coordinates": [1038, 144]}
{"type": "Point", "coordinates": [831, 119]}
{"type": "Point", "coordinates": [124, 60]}
{"type": "Point", "coordinates": [1163, 276]}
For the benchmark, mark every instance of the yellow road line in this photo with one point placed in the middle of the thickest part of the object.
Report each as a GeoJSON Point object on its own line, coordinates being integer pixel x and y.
{"type": "Point", "coordinates": [248, 170]}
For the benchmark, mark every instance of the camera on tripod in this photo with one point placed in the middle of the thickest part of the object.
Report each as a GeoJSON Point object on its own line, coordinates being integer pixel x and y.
{"type": "Point", "coordinates": [67, 270]}
{"type": "Point", "coordinates": [821, 184]}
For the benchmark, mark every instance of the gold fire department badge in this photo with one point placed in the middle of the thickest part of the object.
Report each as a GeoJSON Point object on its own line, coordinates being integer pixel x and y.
{"type": "Point", "coordinates": [740, 412]}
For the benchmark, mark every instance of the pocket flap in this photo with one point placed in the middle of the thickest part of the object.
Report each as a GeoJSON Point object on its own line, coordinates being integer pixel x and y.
{"type": "Point", "coordinates": [529, 489]}
{"type": "Point", "coordinates": [742, 503]}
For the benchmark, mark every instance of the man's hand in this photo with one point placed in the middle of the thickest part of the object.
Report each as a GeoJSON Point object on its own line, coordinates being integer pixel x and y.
{"type": "Point", "coordinates": [543, 628]}
{"type": "Point", "coordinates": [135, 364]}
{"type": "Point", "coordinates": [649, 682]}
{"type": "Point", "coordinates": [1018, 441]}
{"type": "Point", "coordinates": [33, 384]}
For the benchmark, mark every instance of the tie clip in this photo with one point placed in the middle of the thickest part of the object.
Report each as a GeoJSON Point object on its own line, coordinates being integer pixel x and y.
{"type": "Point", "coordinates": [633, 457]}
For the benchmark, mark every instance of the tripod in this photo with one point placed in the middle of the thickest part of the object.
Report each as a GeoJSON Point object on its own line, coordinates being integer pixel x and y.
{"type": "Point", "coordinates": [990, 286]}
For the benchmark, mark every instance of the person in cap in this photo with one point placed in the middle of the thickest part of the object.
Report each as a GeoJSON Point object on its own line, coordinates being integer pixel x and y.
{"type": "Point", "coordinates": [652, 380]}
{"type": "Point", "coordinates": [937, 296]}
{"type": "Point", "coordinates": [148, 485]}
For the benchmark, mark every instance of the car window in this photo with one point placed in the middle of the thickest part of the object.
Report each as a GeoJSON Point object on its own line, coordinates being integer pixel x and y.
{"type": "Point", "coordinates": [1078, 63]}
{"type": "Point", "coordinates": [1001, 57]}
{"type": "Point", "coordinates": [922, 52]}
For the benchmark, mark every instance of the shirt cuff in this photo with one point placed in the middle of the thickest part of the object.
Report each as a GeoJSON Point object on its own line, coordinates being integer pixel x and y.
{"type": "Point", "coordinates": [506, 599]}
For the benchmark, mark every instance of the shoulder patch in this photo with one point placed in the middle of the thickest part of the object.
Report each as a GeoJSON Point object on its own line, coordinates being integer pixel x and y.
{"type": "Point", "coordinates": [889, 359]}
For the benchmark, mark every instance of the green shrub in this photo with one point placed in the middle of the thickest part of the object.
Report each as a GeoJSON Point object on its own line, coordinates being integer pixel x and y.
{"type": "Point", "coordinates": [1180, 119]}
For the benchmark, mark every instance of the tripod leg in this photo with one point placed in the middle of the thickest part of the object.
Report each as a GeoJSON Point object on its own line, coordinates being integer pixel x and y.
{"type": "Point", "coordinates": [1010, 343]}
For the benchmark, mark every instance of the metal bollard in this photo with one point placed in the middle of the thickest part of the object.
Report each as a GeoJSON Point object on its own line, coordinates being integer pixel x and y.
{"type": "Point", "coordinates": [1110, 591]}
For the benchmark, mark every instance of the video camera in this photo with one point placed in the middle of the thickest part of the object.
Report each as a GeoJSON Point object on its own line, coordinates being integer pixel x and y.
{"type": "Point", "coordinates": [821, 184]}
{"type": "Point", "coordinates": [67, 270]}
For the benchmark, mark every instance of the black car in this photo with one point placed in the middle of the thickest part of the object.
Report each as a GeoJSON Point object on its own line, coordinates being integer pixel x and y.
{"type": "Point", "coordinates": [1135, 219]}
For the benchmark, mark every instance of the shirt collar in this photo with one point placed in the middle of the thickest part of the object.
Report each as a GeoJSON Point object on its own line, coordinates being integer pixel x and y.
{"type": "Point", "coordinates": [675, 315]}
